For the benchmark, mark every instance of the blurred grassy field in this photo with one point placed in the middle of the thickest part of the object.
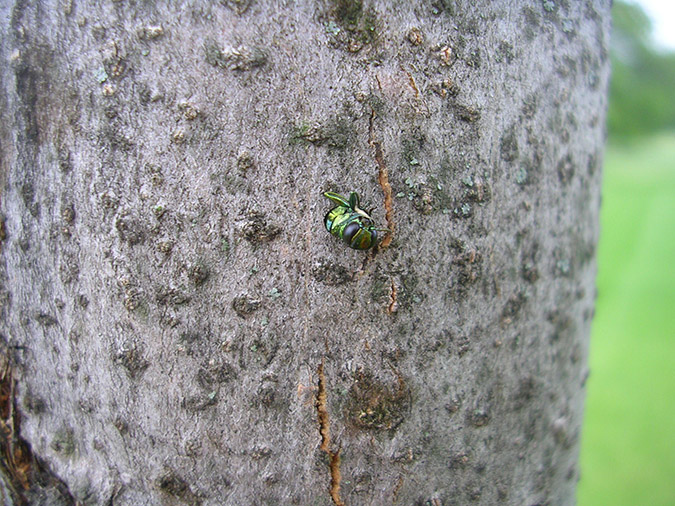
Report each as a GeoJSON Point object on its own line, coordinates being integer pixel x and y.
{"type": "Point", "coordinates": [628, 440]}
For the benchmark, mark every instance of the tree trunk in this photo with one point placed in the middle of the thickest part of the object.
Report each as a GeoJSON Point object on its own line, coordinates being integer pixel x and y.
{"type": "Point", "coordinates": [179, 327]}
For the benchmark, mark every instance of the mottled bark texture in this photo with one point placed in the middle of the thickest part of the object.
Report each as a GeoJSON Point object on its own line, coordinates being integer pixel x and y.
{"type": "Point", "coordinates": [178, 325]}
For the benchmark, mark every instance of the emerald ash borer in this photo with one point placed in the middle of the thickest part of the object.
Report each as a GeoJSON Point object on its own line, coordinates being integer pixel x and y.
{"type": "Point", "coordinates": [350, 223]}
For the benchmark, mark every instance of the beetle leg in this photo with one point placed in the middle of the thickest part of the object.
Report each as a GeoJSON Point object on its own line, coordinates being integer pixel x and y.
{"type": "Point", "coordinates": [354, 200]}
{"type": "Point", "coordinates": [337, 198]}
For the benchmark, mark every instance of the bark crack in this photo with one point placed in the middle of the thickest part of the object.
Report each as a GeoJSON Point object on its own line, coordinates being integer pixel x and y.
{"type": "Point", "coordinates": [383, 180]}
{"type": "Point", "coordinates": [413, 84]}
{"type": "Point", "coordinates": [324, 430]}
{"type": "Point", "coordinates": [26, 474]}
{"type": "Point", "coordinates": [393, 304]}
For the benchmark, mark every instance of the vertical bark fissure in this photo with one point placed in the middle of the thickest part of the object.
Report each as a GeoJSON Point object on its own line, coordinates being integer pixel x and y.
{"type": "Point", "coordinates": [383, 180]}
{"type": "Point", "coordinates": [324, 430]}
{"type": "Point", "coordinates": [393, 304]}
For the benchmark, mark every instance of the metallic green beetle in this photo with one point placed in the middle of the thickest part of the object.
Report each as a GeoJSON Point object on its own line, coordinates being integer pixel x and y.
{"type": "Point", "coordinates": [350, 223]}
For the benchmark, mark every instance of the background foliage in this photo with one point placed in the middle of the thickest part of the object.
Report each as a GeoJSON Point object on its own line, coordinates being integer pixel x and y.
{"type": "Point", "coordinates": [628, 443]}
{"type": "Point", "coordinates": [643, 79]}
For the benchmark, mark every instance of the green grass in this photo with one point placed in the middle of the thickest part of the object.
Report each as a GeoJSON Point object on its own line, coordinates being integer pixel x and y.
{"type": "Point", "coordinates": [628, 441]}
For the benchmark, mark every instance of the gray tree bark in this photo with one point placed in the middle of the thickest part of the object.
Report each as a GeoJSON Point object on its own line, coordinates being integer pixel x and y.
{"type": "Point", "coordinates": [177, 324]}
